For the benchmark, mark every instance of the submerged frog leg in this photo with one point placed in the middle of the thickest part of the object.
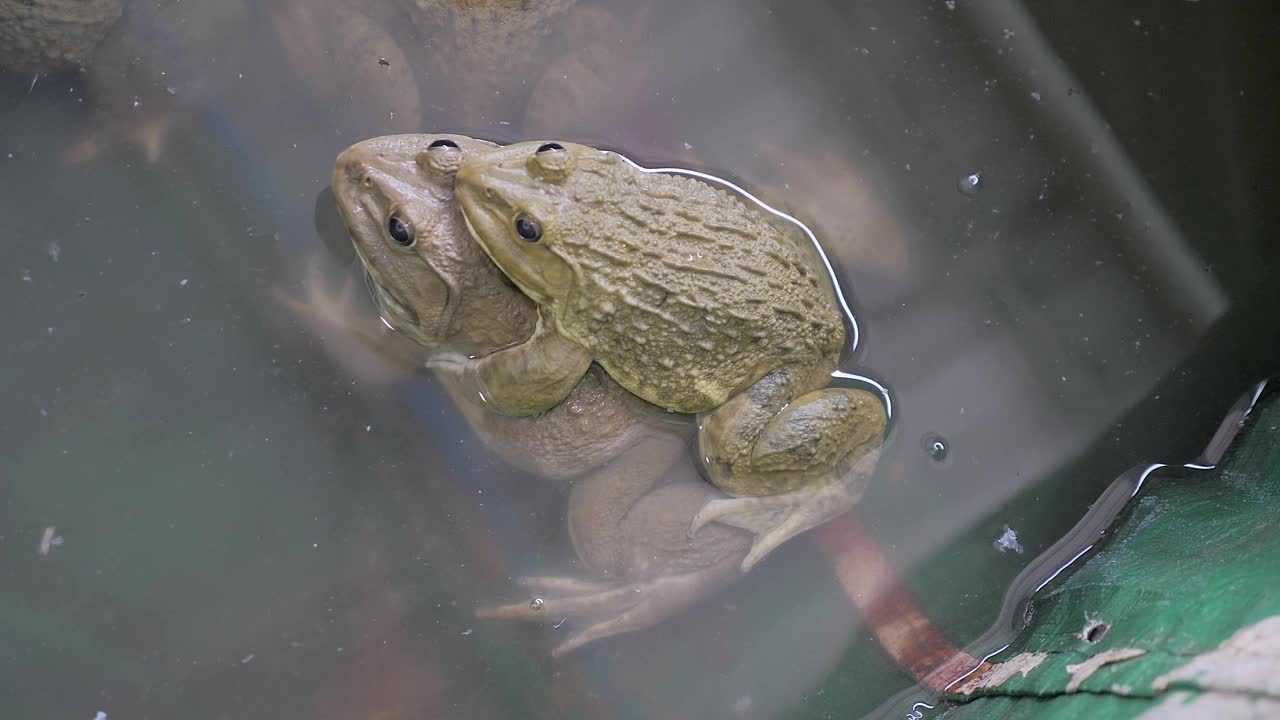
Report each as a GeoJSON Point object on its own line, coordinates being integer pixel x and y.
{"type": "Point", "coordinates": [658, 570]}
{"type": "Point", "coordinates": [793, 458]}
{"type": "Point", "coordinates": [524, 379]}
{"type": "Point", "coordinates": [600, 503]}
{"type": "Point", "coordinates": [352, 333]}
{"type": "Point", "coordinates": [777, 518]}
{"type": "Point", "coordinates": [619, 608]}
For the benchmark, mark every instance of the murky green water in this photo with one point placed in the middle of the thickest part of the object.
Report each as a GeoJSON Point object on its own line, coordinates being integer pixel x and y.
{"type": "Point", "coordinates": [1054, 226]}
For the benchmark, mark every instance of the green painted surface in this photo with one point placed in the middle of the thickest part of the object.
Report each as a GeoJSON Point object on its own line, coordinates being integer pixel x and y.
{"type": "Point", "coordinates": [1194, 559]}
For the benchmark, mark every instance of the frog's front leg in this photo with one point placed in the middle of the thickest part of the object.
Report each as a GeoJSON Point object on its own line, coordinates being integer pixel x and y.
{"type": "Point", "coordinates": [523, 379]}
{"type": "Point", "coordinates": [791, 465]}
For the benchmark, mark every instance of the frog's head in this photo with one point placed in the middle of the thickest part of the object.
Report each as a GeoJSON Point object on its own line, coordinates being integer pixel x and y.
{"type": "Point", "coordinates": [514, 200]}
{"type": "Point", "coordinates": [430, 281]}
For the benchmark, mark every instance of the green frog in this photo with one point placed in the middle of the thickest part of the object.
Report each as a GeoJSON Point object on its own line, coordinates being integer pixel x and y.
{"type": "Point", "coordinates": [694, 301]}
{"type": "Point", "coordinates": [633, 491]}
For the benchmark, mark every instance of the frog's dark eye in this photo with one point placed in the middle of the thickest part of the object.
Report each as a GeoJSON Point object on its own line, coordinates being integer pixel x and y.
{"type": "Point", "coordinates": [443, 143]}
{"type": "Point", "coordinates": [550, 147]}
{"type": "Point", "coordinates": [528, 228]}
{"type": "Point", "coordinates": [399, 230]}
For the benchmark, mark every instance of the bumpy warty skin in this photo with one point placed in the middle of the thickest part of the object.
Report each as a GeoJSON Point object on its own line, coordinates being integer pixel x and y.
{"type": "Point", "coordinates": [683, 293]}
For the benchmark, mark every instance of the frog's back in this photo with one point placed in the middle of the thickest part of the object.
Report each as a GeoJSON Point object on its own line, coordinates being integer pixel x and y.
{"type": "Point", "coordinates": [684, 293]}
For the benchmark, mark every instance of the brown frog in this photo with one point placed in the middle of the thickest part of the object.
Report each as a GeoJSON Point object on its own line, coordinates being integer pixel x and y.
{"type": "Point", "coordinates": [691, 297]}
{"type": "Point", "coordinates": [634, 492]}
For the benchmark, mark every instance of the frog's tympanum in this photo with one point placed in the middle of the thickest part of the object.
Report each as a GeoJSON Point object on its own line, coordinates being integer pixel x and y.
{"type": "Point", "coordinates": [634, 494]}
{"type": "Point", "coordinates": [689, 298]}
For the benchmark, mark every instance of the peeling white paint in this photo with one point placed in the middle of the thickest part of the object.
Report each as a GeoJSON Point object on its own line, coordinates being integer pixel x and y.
{"type": "Point", "coordinates": [1219, 706]}
{"type": "Point", "coordinates": [1246, 662]}
{"type": "Point", "coordinates": [995, 677]}
{"type": "Point", "coordinates": [1085, 670]}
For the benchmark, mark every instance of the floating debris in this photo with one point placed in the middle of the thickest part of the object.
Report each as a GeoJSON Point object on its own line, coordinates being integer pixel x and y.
{"type": "Point", "coordinates": [49, 540]}
{"type": "Point", "coordinates": [1007, 541]}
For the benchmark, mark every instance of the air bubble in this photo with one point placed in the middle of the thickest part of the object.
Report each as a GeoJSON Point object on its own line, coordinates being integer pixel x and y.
{"type": "Point", "coordinates": [535, 604]}
{"type": "Point", "coordinates": [970, 184]}
{"type": "Point", "coordinates": [936, 446]}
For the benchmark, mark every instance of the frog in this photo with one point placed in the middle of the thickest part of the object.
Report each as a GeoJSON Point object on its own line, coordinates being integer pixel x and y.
{"type": "Point", "coordinates": [691, 299]}
{"type": "Point", "coordinates": [633, 490]}
{"type": "Point", "coordinates": [43, 36]}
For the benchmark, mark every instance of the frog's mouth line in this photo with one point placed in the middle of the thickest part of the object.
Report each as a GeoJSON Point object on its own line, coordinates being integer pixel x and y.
{"type": "Point", "coordinates": [393, 312]}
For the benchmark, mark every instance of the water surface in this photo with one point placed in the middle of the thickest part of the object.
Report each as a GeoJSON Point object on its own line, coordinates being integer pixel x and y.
{"type": "Point", "coordinates": [1054, 226]}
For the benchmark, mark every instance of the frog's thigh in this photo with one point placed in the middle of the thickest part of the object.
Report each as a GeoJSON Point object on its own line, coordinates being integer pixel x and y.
{"type": "Point", "coordinates": [534, 376]}
{"type": "Point", "coordinates": [820, 429]}
{"type": "Point", "coordinates": [728, 433]}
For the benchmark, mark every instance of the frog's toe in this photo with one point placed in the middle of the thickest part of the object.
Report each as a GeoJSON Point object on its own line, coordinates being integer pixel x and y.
{"type": "Point", "coordinates": [450, 362]}
{"type": "Point", "coordinates": [566, 585]}
{"type": "Point", "coordinates": [756, 514]}
{"type": "Point", "coordinates": [610, 609]}
{"type": "Point", "coordinates": [774, 519]}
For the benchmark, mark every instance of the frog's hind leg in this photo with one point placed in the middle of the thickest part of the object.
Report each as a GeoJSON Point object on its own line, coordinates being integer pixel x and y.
{"type": "Point", "coordinates": [791, 465]}
{"type": "Point", "coordinates": [612, 609]}
{"type": "Point", "coordinates": [776, 519]}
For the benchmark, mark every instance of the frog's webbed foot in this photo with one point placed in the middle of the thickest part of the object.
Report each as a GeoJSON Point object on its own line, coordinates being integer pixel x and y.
{"type": "Point", "coordinates": [150, 136]}
{"type": "Point", "coordinates": [609, 609]}
{"type": "Point", "coordinates": [353, 334]}
{"type": "Point", "coordinates": [318, 305]}
{"type": "Point", "coordinates": [777, 518]}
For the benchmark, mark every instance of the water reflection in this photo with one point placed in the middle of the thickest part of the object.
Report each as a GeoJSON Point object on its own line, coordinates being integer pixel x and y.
{"type": "Point", "coordinates": [230, 484]}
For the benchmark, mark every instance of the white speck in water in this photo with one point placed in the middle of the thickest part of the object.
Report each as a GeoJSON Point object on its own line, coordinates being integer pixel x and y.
{"type": "Point", "coordinates": [49, 540]}
{"type": "Point", "coordinates": [562, 621]}
{"type": "Point", "coordinates": [970, 184]}
{"type": "Point", "coordinates": [368, 428]}
{"type": "Point", "coordinates": [183, 282]}
{"type": "Point", "coordinates": [246, 658]}
{"type": "Point", "coordinates": [467, 631]}
{"type": "Point", "coordinates": [951, 5]}
{"type": "Point", "coordinates": [1007, 541]}
{"type": "Point", "coordinates": [536, 604]}
{"type": "Point", "coordinates": [1035, 96]}
{"type": "Point", "coordinates": [100, 716]}
{"type": "Point", "coordinates": [55, 251]}
{"type": "Point", "coordinates": [26, 275]}
{"type": "Point", "coordinates": [137, 102]}
{"type": "Point", "coordinates": [687, 146]}
{"type": "Point", "coordinates": [742, 705]}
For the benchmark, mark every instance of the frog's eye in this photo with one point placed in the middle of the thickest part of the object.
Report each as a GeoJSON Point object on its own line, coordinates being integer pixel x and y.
{"type": "Point", "coordinates": [528, 228]}
{"type": "Point", "coordinates": [551, 162]}
{"type": "Point", "coordinates": [441, 159]}
{"type": "Point", "coordinates": [399, 230]}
